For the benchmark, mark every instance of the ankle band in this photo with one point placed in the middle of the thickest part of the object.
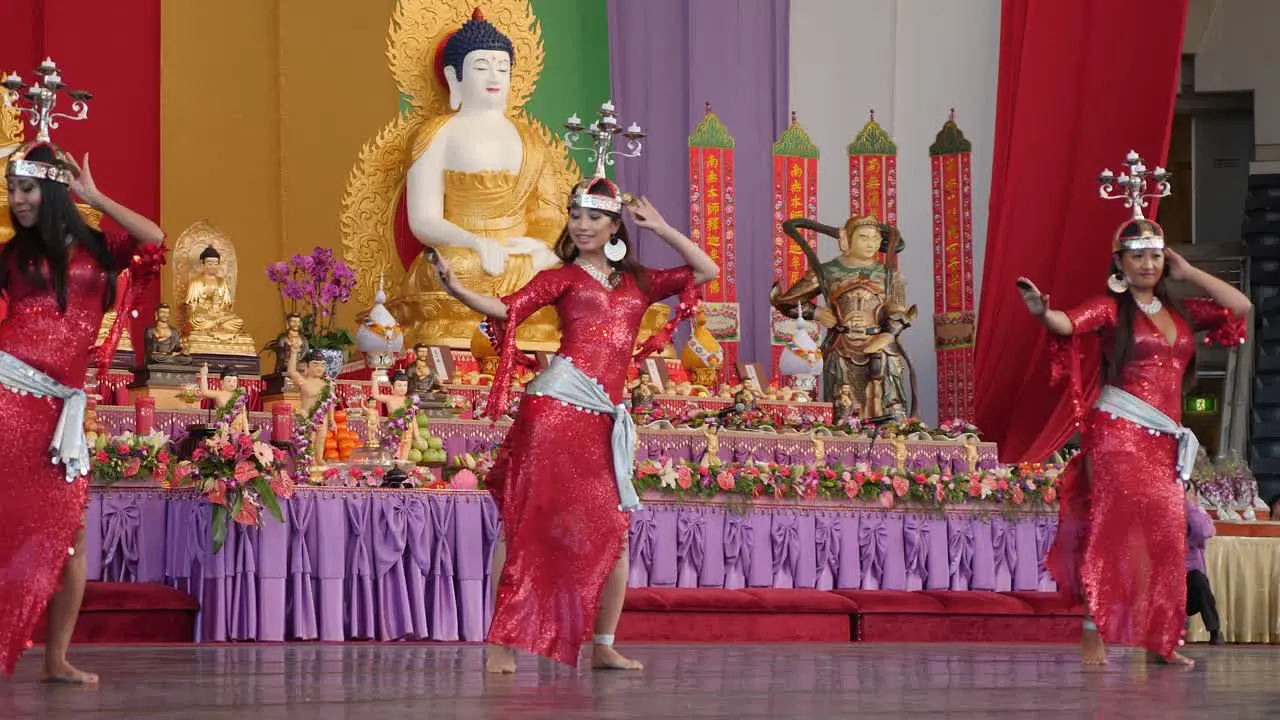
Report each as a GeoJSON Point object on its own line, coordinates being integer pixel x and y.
{"type": "Point", "coordinates": [605, 640]}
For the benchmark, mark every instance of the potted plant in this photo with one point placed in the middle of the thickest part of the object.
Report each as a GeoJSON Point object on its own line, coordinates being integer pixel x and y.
{"type": "Point", "coordinates": [312, 286]}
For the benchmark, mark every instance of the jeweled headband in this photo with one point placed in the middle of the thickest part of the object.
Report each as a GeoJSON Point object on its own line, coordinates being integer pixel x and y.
{"type": "Point", "coordinates": [1138, 235]}
{"type": "Point", "coordinates": [583, 197]}
{"type": "Point", "coordinates": [20, 166]}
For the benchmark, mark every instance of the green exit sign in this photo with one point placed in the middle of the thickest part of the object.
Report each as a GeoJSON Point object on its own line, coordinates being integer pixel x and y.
{"type": "Point", "coordinates": [1200, 405]}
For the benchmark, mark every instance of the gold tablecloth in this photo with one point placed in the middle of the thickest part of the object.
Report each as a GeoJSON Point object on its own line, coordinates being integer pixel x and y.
{"type": "Point", "coordinates": [1244, 573]}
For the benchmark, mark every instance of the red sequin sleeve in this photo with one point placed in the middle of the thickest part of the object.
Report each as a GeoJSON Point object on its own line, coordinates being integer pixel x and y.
{"type": "Point", "coordinates": [544, 289]}
{"type": "Point", "coordinates": [662, 285]}
{"type": "Point", "coordinates": [143, 263]}
{"type": "Point", "coordinates": [1095, 315]}
{"type": "Point", "coordinates": [1224, 328]}
{"type": "Point", "coordinates": [665, 283]}
{"type": "Point", "coordinates": [121, 246]}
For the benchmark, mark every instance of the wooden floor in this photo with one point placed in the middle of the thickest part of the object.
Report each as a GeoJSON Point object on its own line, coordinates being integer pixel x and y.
{"type": "Point", "coordinates": [381, 682]}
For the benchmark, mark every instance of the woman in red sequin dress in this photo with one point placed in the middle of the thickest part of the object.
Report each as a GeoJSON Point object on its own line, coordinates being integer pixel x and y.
{"type": "Point", "coordinates": [1121, 540]}
{"type": "Point", "coordinates": [554, 481]}
{"type": "Point", "coordinates": [59, 277]}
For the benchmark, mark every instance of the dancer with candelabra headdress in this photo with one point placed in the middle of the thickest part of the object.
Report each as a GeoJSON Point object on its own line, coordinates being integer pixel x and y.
{"type": "Point", "coordinates": [59, 275]}
{"type": "Point", "coordinates": [562, 478]}
{"type": "Point", "coordinates": [1121, 540]}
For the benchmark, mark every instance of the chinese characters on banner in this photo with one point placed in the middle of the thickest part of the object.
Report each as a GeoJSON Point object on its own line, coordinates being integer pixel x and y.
{"type": "Point", "coordinates": [873, 175]}
{"type": "Point", "coordinates": [953, 306]}
{"type": "Point", "coordinates": [795, 195]}
{"type": "Point", "coordinates": [711, 210]}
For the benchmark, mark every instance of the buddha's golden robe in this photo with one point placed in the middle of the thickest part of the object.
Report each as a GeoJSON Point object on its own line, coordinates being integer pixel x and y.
{"type": "Point", "coordinates": [498, 205]}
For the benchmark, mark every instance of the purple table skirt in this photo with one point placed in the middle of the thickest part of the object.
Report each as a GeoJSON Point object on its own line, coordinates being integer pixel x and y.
{"type": "Point", "coordinates": [389, 564]}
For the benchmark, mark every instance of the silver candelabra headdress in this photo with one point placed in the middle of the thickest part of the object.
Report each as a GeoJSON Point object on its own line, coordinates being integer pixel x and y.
{"type": "Point", "coordinates": [1137, 186]}
{"type": "Point", "coordinates": [602, 132]}
{"type": "Point", "coordinates": [42, 98]}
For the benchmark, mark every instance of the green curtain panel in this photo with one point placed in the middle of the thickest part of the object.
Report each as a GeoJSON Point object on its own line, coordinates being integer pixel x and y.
{"type": "Point", "coordinates": [575, 76]}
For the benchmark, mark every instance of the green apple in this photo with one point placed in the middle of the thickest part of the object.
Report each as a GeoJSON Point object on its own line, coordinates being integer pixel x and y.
{"type": "Point", "coordinates": [420, 444]}
{"type": "Point", "coordinates": [435, 443]}
{"type": "Point", "coordinates": [415, 456]}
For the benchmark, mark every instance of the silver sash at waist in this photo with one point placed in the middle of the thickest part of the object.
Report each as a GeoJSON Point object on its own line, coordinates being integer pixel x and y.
{"type": "Point", "coordinates": [1120, 404]}
{"type": "Point", "coordinates": [68, 445]}
{"type": "Point", "coordinates": [566, 383]}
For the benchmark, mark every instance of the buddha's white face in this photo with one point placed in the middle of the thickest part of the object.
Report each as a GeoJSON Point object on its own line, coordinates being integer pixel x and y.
{"type": "Point", "coordinates": [483, 82]}
{"type": "Point", "coordinates": [400, 388]}
{"type": "Point", "coordinates": [230, 383]}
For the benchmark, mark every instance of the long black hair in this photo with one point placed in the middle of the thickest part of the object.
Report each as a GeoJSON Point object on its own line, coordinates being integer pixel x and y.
{"type": "Point", "coordinates": [40, 253]}
{"type": "Point", "coordinates": [1118, 355]}
{"type": "Point", "coordinates": [629, 264]}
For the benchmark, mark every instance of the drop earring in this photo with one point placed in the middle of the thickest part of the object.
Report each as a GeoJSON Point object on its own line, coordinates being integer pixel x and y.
{"type": "Point", "coordinates": [1118, 283]}
{"type": "Point", "coordinates": [615, 250]}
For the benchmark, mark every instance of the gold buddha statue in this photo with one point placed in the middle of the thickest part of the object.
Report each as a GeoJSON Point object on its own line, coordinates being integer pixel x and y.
{"type": "Point", "coordinates": [205, 281]}
{"type": "Point", "coordinates": [464, 172]}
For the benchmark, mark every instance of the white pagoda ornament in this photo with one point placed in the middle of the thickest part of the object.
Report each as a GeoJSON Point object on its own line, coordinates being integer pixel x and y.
{"type": "Point", "coordinates": [380, 338]}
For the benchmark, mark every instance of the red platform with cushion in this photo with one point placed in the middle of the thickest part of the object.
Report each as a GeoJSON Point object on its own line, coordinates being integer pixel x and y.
{"type": "Point", "coordinates": [782, 615]}
{"type": "Point", "coordinates": [124, 613]}
{"type": "Point", "coordinates": [132, 613]}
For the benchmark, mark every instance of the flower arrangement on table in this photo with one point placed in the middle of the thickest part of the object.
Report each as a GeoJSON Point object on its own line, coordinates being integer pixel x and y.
{"type": "Point", "coordinates": [313, 286]}
{"type": "Point", "coordinates": [239, 476]}
{"type": "Point", "coordinates": [655, 412]}
{"type": "Point", "coordinates": [1021, 485]}
{"type": "Point", "coordinates": [1228, 485]}
{"type": "Point", "coordinates": [749, 419]}
{"type": "Point", "coordinates": [958, 427]}
{"type": "Point", "coordinates": [129, 457]}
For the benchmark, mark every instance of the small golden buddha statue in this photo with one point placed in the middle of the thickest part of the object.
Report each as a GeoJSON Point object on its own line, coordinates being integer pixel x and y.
{"type": "Point", "coordinates": [204, 276]}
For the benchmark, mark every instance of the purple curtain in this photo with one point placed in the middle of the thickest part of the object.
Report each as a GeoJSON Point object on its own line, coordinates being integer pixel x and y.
{"type": "Point", "coordinates": [667, 59]}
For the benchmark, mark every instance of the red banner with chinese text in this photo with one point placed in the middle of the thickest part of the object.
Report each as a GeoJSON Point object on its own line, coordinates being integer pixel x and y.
{"type": "Point", "coordinates": [795, 195]}
{"type": "Point", "coordinates": [873, 175]}
{"type": "Point", "coordinates": [711, 223]}
{"type": "Point", "coordinates": [953, 302]}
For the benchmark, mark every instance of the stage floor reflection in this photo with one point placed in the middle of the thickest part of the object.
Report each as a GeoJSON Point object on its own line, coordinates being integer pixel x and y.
{"type": "Point", "coordinates": [371, 682]}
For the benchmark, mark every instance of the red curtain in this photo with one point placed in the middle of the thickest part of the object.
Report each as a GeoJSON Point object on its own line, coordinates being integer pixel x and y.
{"type": "Point", "coordinates": [1080, 84]}
{"type": "Point", "coordinates": [111, 49]}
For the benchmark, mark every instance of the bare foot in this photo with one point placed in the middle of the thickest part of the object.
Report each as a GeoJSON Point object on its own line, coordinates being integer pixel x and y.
{"type": "Point", "coordinates": [68, 674]}
{"type": "Point", "coordinates": [500, 660]}
{"type": "Point", "coordinates": [604, 657]}
{"type": "Point", "coordinates": [1174, 658]}
{"type": "Point", "coordinates": [1092, 650]}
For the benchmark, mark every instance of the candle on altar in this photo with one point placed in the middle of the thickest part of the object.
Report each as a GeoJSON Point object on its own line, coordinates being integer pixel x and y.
{"type": "Point", "coordinates": [281, 422]}
{"type": "Point", "coordinates": [144, 415]}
